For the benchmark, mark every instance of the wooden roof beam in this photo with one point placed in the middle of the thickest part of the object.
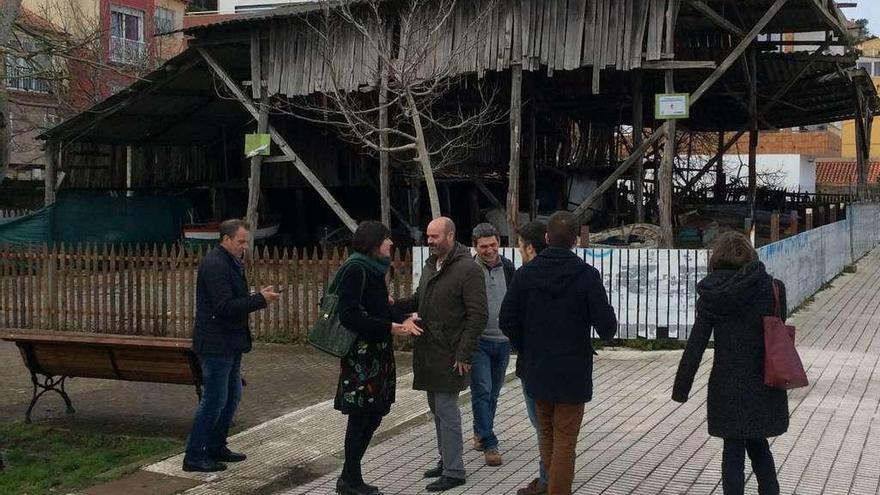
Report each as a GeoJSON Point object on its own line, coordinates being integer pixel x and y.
{"type": "Point", "coordinates": [722, 69]}
{"type": "Point", "coordinates": [717, 18]}
{"type": "Point", "coordinates": [310, 176]}
{"type": "Point", "coordinates": [833, 21]}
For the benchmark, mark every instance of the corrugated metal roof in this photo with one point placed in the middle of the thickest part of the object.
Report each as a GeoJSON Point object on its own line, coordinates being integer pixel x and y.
{"type": "Point", "coordinates": [844, 172]}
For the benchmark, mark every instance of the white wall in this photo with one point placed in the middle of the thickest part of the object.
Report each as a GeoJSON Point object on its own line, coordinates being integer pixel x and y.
{"type": "Point", "coordinates": [231, 6]}
{"type": "Point", "coordinates": [799, 170]}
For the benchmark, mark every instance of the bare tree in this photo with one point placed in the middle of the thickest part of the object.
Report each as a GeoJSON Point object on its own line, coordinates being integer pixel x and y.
{"type": "Point", "coordinates": [8, 15]}
{"type": "Point", "coordinates": [411, 112]}
{"type": "Point", "coordinates": [67, 59]}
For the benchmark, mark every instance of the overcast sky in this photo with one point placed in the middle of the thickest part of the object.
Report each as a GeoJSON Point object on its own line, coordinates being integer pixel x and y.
{"type": "Point", "coordinates": [867, 9]}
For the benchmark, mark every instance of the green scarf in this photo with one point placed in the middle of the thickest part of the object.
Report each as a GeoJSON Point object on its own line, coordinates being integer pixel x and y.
{"type": "Point", "coordinates": [377, 266]}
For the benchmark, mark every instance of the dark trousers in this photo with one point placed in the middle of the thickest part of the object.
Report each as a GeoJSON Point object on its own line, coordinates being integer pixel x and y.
{"type": "Point", "coordinates": [560, 426]}
{"type": "Point", "coordinates": [358, 434]}
{"type": "Point", "coordinates": [733, 464]}
{"type": "Point", "coordinates": [221, 393]}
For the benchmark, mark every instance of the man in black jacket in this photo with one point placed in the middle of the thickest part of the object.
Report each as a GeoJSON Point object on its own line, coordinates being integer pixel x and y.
{"type": "Point", "coordinates": [548, 312]}
{"type": "Point", "coordinates": [221, 335]}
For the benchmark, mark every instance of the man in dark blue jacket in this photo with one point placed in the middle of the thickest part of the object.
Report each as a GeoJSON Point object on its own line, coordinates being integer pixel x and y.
{"type": "Point", "coordinates": [548, 312]}
{"type": "Point", "coordinates": [222, 334]}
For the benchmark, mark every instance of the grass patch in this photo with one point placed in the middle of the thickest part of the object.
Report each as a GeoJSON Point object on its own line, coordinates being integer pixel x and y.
{"type": "Point", "coordinates": [41, 460]}
{"type": "Point", "coordinates": [643, 344]}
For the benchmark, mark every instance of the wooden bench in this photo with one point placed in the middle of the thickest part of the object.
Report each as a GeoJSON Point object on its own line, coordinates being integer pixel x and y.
{"type": "Point", "coordinates": [53, 357]}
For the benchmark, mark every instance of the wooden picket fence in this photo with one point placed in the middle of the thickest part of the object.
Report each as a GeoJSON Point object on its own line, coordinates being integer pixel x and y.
{"type": "Point", "coordinates": [150, 290]}
{"type": "Point", "coordinates": [12, 214]}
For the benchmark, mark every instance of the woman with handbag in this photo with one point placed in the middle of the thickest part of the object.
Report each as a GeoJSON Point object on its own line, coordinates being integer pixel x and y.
{"type": "Point", "coordinates": [733, 300]}
{"type": "Point", "coordinates": [367, 377]}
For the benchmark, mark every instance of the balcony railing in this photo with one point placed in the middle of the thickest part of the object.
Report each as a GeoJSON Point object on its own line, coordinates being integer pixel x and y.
{"type": "Point", "coordinates": [125, 51]}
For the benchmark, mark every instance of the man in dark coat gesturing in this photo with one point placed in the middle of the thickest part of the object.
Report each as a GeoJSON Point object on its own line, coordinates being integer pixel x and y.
{"type": "Point", "coordinates": [548, 312]}
{"type": "Point", "coordinates": [452, 309]}
{"type": "Point", "coordinates": [221, 335]}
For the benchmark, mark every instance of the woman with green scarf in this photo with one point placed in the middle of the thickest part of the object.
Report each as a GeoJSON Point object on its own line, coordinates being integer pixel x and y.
{"type": "Point", "coordinates": [367, 379]}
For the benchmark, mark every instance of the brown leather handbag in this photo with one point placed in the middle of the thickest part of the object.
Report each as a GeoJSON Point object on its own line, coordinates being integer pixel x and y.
{"type": "Point", "coordinates": [783, 368]}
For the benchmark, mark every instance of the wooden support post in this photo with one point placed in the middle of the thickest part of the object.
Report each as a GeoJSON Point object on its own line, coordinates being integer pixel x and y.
{"type": "Point", "coordinates": [515, 128]}
{"type": "Point", "coordinates": [256, 172]}
{"type": "Point", "coordinates": [638, 127]}
{"type": "Point", "coordinates": [583, 209]}
{"type": "Point", "coordinates": [128, 171]}
{"type": "Point", "coordinates": [820, 216]}
{"type": "Point", "coordinates": [384, 169]}
{"type": "Point", "coordinates": [533, 180]}
{"type": "Point", "coordinates": [808, 219]}
{"type": "Point", "coordinates": [794, 223]}
{"type": "Point", "coordinates": [774, 226]}
{"type": "Point", "coordinates": [50, 173]}
{"type": "Point", "coordinates": [832, 213]}
{"type": "Point", "coordinates": [720, 177]}
{"type": "Point", "coordinates": [753, 132]}
{"type": "Point", "coordinates": [584, 238]}
{"type": "Point", "coordinates": [664, 178]}
{"type": "Point", "coordinates": [307, 173]}
{"type": "Point", "coordinates": [749, 229]}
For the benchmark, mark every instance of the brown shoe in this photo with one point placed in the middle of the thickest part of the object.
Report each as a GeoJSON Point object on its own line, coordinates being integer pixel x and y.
{"type": "Point", "coordinates": [534, 488]}
{"type": "Point", "coordinates": [478, 444]}
{"type": "Point", "coordinates": [493, 458]}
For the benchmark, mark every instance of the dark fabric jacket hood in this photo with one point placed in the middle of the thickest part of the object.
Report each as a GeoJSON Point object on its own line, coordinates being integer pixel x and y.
{"type": "Point", "coordinates": [727, 293]}
{"type": "Point", "coordinates": [559, 269]}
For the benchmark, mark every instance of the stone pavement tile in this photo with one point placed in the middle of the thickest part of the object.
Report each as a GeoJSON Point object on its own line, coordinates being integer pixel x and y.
{"type": "Point", "coordinates": [635, 440]}
{"type": "Point", "coordinates": [299, 438]}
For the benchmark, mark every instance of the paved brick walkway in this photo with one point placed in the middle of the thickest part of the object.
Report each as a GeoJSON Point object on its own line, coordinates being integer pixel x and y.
{"type": "Point", "coordinates": [636, 440]}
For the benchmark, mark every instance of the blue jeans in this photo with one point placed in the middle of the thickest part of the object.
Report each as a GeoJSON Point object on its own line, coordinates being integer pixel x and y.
{"type": "Point", "coordinates": [487, 376]}
{"type": "Point", "coordinates": [221, 393]}
{"type": "Point", "coordinates": [532, 409]}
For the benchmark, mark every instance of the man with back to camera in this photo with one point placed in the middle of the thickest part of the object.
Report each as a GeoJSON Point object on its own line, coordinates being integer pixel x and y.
{"type": "Point", "coordinates": [548, 312]}
{"type": "Point", "coordinates": [493, 350]}
{"type": "Point", "coordinates": [221, 336]}
{"type": "Point", "coordinates": [451, 305]}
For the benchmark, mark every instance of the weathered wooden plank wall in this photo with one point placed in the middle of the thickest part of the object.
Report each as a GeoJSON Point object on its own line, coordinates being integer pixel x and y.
{"type": "Point", "coordinates": [477, 37]}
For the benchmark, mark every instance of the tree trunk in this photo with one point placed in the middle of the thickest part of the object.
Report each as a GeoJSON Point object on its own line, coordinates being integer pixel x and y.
{"type": "Point", "coordinates": [513, 172]}
{"type": "Point", "coordinates": [384, 171]}
{"type": "Point", "coordinates": [423, 157]}
{"type": "Point", "coordinates": [8, 14]}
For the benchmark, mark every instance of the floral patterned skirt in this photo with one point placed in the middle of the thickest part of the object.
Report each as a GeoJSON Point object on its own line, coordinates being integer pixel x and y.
{"type": "Point", "coordinates": [367, 379]}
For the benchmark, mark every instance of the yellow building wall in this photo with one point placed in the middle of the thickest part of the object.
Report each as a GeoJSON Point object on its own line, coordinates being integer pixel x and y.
{"type": "Point", "coordinates": [848, 146]}
{"type": "Point", "coordinates": [69, 15]}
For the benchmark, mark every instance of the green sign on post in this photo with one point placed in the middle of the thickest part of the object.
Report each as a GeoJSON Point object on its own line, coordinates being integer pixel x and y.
{"type": "Point", "coordinates": [671, 106]}
{"type": "Point", "coordinates": [257, 144]}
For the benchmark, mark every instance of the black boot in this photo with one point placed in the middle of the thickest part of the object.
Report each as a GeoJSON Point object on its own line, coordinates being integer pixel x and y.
{"type": "Point", "coordinates": [202, 466]}
{"type": "Point", "coordinates": [345, 488]}
{"type": "Point", "coordinates": [226, 455]}
{"type": "Point", "coordinates": [435, 472]}
{"type": "Point", "coordinates": [445, 483]}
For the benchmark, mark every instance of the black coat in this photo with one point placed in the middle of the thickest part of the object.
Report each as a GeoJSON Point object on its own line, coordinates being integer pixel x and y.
{"type": "Point", "coordinates": [223, 303]}
{"type": "Point", "coordinates": [367, 378]}
{"type": "Point", "coordinates": [547, 315]}
{"type": "Point", "coordinates": [732, 304]}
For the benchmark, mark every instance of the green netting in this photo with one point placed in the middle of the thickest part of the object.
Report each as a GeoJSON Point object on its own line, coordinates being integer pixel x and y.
{"type": "Point", "coordinates": [102, 220]}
